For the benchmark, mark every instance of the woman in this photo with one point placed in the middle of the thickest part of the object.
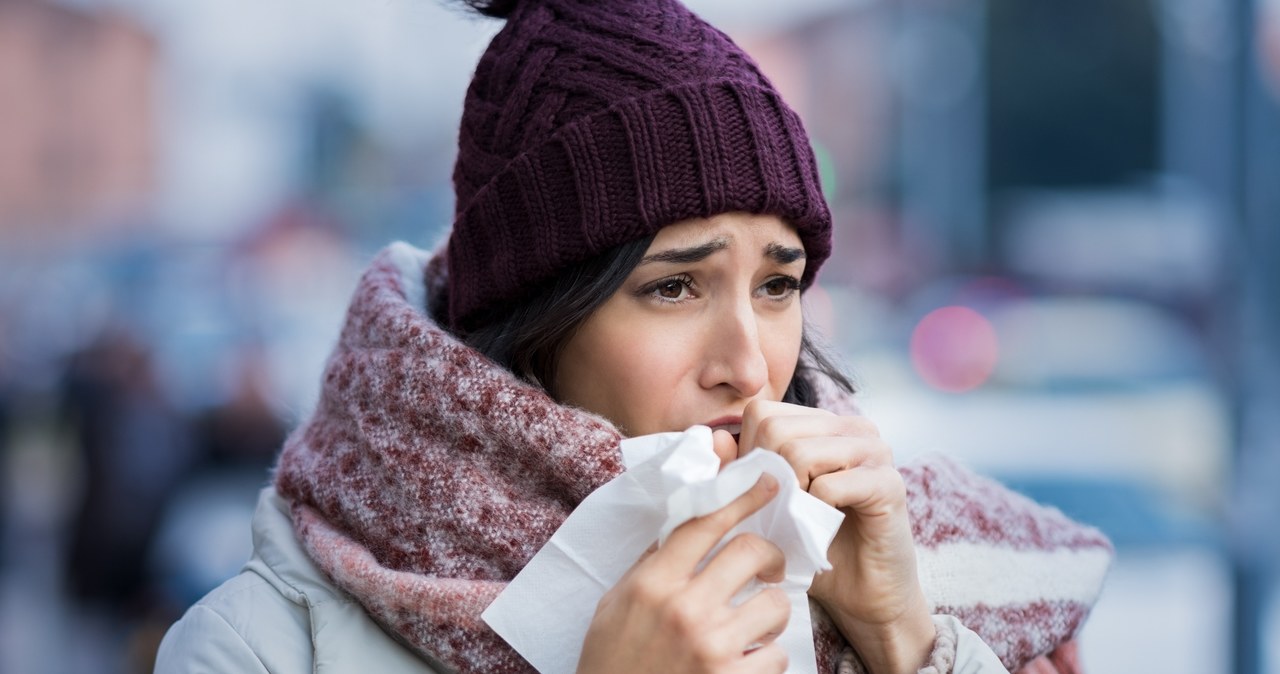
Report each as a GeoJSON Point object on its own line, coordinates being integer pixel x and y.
{"type": "Point", "coordinates": [637, 215]}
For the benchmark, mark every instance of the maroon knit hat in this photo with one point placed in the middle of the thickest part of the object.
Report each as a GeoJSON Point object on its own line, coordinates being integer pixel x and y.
{"type": "Point", "coordinates": [591, 123]}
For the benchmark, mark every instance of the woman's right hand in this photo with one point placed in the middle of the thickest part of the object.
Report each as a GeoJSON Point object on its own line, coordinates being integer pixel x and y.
{"type": "Point", "coordinates": [665, 615]}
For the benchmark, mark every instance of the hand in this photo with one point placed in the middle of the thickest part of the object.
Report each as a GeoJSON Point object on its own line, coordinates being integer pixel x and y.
{"type": "Point", "coordinates": [872, 592]}
{"type": "Point", "coordinates": [665, 615]}
{"type": "Point", "coordinates": [1064, 659]}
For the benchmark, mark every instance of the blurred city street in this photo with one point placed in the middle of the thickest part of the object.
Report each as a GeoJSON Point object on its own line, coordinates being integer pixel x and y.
{"type": "Point", "coordinates": [1057, 259]}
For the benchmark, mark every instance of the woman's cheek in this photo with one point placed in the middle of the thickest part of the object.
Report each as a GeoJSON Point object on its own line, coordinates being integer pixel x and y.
{"type": "Point", "coordinates": [782, 352]}
{"type": "Point", "coordinates": [610, 380]}
{"type": "Point", "coordinates": [651, 385]}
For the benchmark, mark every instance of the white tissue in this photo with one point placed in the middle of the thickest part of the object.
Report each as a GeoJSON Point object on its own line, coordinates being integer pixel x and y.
{"type": "Point", "coordinates": [671, 477]}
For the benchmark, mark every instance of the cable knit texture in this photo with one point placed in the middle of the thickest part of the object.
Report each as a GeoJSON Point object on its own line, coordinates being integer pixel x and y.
{"type": "Point", "coordinates": [427, 477]}
{"type": "Point", "coordinates": [589, 124]}
{"type": "Point", "coordinates": [942, 658]}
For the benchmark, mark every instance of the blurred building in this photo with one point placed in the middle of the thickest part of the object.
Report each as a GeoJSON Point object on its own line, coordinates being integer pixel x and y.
{"type": "Point", "coordinates": [77, 137]}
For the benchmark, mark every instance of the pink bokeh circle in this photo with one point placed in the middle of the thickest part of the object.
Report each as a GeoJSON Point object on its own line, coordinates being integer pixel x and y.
{"type": "Point", "coordinates": [954, 349]}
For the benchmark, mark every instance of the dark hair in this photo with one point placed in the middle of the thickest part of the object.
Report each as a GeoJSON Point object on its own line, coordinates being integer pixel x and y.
{"type": "Point", "coordinates": [527, 337]}
{"type": "Point", "coordinates": [500, 9]}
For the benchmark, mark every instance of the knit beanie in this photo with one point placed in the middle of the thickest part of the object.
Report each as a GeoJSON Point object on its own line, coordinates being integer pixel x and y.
{"type": "Point", "coordinates": [592, 123]}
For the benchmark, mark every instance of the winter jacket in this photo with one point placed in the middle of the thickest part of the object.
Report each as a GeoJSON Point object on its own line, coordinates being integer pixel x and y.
{"type": "Point", "coordinates": [281, 615]}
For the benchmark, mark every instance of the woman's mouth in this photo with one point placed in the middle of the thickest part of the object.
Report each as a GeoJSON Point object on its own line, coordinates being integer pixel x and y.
{"type": "Point", "coordinates": [733, 425]}
{"type": "Point", "coordinates": [734, 429]}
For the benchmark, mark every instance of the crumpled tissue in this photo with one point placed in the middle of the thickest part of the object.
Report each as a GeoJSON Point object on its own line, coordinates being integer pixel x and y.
{"type": "Point", "coordinates": [545, 611]}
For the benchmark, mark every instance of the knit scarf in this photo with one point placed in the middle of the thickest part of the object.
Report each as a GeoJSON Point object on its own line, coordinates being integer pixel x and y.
{"type": "Point", "coordinates": [428, 476]}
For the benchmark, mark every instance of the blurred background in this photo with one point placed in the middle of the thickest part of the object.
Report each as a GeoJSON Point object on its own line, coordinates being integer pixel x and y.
{"type": "Point", "coordinates": [1057, 258]}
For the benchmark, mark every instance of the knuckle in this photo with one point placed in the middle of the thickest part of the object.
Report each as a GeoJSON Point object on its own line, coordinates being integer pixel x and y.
{"type": "Point", "coordinates": [883, 453]}
{"type": "Point", "coordinates": [752, 545]}
{"type": "Point", "coordinates": [895, 486]}
{"type": "Point", "coordinates": [608, 599]}
{"type": "Point", "coordinates": [765, 431]}
{"type": "Point", "coordinates": [791, 450]}
{"type": "Point", "coordinates": [820, 488]}
{"type": "Point", "coordinates": [777, 601]}
{"type": "Point", "coordinates": [772, 658]}
{"type": "Point", "coordinates": [713, 654]}
{"type": "Point", "coordinates": [644, 590]}
{"type": "Point", "coordinates": [685, 620]}
{"type": "Point", "coordinates": [780, 662]}
{"type": "Point", "coordinates": [859, 426]}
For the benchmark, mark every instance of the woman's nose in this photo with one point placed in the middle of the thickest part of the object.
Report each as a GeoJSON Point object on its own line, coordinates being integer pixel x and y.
{"type": "Point", "coordinates": [734, 356]}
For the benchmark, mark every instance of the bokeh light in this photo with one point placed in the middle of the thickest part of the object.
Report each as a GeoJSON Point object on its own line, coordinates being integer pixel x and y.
{"type": "Point", "coordinates": [954, 349]}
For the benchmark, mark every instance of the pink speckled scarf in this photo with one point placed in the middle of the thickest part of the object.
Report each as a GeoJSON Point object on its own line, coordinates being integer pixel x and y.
{"type": "Point", "coordinates": [428, 476]}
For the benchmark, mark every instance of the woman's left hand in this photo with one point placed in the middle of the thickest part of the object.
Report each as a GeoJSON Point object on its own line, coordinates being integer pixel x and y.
{"type": "Point", "coordinates": [872, 592]}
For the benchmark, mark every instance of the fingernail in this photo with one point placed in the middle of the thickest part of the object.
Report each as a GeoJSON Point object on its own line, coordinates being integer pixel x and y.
{"type": "Point", "coordinates": [768, 482]}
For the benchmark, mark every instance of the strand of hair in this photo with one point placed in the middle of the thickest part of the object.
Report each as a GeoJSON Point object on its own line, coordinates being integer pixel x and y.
{"type": "Point", "coordinates": [499, 9]}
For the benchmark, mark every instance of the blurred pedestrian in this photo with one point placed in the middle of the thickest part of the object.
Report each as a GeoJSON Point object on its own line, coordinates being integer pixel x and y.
{"type": "Point", "coordinates": [7, 402]}
{"type": "Point", "coordinates": [243, 431]}
{"type": "Point", "coordinates": [134, 448]}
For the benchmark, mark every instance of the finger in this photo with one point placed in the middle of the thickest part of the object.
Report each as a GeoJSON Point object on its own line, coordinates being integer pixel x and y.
{"type": "Point", "coordinates": [690, 542]}
{"type": "Point", "coordinates": [760, 620]}
{"type": "Point", "coordinates": [772, 432]}
{"type": "Point", "coordinates": [743, 558]}
{"type": "Point", "coordinates": [770, 425]}
{"type": "Point", "coordinates": [726, 448]}
{"type": "Point", "coordinates": [648, 552]}
{"type": "Point", "coordinates": [757, 411]}
{"type": "Point", "coordinates": [768, 659]}
{"type": "Point", "coordinates": [1066, 658]}
{"type": "Point", "coordinates": [639, 566]}
{"type": "Point", "coordinates": [868, 490]}
{"type": "Point", "coordinates": [1040, 665]}
{"type": "Point", "coordinates": [812, 457]}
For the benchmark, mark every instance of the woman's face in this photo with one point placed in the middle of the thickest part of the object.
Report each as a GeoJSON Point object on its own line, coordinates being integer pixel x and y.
{"type": "Point", "coordinates": [708, 321]}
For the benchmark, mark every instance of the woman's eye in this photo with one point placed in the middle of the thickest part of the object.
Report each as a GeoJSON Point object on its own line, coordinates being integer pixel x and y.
{"type": "Point", "coordinates": [674, 289]}
{"type": "Point", "coordinates": [780, 286]}
{"type": "Point", "coordinates": [670, 289]}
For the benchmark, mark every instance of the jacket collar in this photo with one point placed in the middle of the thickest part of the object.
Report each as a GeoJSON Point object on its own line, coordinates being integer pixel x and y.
{"type": "Point", "coordinates": [343, 636]}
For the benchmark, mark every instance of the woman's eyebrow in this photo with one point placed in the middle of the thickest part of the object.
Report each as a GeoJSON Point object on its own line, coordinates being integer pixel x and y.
{"type": "Point", "coordinates": [783, 254]}
{"type": "Point", "coordinates": [687, 255]}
